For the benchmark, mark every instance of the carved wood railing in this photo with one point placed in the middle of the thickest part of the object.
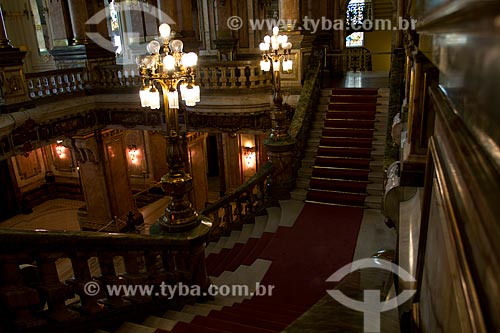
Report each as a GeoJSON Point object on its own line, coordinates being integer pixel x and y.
{"type": "Point", "coordinates": [241, 206]}
{"type": "Point", "coordinates": [55, 83]}
{"type": "Point", "coordinates": [233, 75]}
{"type": "Point", "coordinates": [38, 304]}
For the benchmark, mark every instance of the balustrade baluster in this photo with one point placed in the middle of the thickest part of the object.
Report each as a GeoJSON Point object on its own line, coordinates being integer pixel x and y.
{"type": "Point", "coordinates": [224, 80]}
{"type": "Point", "coordinates": [215, 78]}
{"type": "Point", "coordinates": [53, 85]}
{"type": "Point", "coordinates": [243, 78]}
{"type": "Point", "coordinates": [233, 79]}
{"type": "Point", "coordinates": [89, 304]}
{"type": "Point", "coordinates": [227, 219]}
{"type": "Point", "coordinates": [109, 278]}
{"type": "Point", "coordinates": [134, 264]}
{"type": "Point", "coordinates": [60, 84]}
{"type": "Point", "coordinates": [16, 298]}
{"type": "Point", "coordinates": [53, 290]}
{"type": "Point", "coordinates": [205, 79]}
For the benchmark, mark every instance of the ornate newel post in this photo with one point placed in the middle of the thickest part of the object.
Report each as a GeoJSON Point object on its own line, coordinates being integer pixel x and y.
{"type": "Point", "coordinates": [169, 72]}
{"type": "Point", "coordinates": [276, 56]}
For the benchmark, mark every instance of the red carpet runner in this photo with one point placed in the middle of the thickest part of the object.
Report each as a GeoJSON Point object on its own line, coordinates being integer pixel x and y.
{"type": "Point", "coordinates": [340, 173]}
{"type": "Point", "coordinates": [322, 240]}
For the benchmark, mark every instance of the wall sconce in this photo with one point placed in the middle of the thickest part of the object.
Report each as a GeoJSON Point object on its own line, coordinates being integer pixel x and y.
{"type": "Point", "coordinates": [249, 154]}
{"type": "Point", "coordinates": [133, 154]}
{"type": "Point", "coordinates": [60, 149]}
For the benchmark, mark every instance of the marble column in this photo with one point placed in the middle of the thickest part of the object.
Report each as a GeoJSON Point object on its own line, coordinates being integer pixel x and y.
{"type": "Point", "coordinates": [79, 14]}
{"type": "Point", "coordinates": [105, 182]}
{"type": "Point", "coordinates": [290, 13]}
{"type": "Point", "coordinates": [226, 42]}
{"type": "Point", "coordinates": [4, 40]}
{"type": "Point", "coordinates": [83, 52]}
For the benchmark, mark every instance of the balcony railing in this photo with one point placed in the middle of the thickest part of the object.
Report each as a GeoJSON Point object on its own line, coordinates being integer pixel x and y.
{"type": "Point", "coordinates": [233, 75]}
{"type": "Point", "coordinates": [55, 83]}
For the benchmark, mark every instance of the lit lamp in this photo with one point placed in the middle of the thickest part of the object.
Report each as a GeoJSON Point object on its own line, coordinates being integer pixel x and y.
{"type": "Point", "coordinates": [60, 149]}
{"type": "Point", "coordinates": [276, 55]}
{"type": "Point", "coordinates": [169, 72]}
{"type": "Point", "coordinates": [249, 153]}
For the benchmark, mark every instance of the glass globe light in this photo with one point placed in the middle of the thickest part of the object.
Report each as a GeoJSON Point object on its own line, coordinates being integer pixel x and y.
{"type": "Point", "coordinates": [176, 45]}
{"type": "Point", "coordinates": [264, 47]}
{"type": "Point", "coordinates": [153, 47]}
{"type": "Point", "coordinates": [169, 62]}
{"type": "Point", "coordinates": [164, 30]}
{"type": "Point", "coordinates": [267, 39]}
{"type": "Point", "coordinates": [276, 31]}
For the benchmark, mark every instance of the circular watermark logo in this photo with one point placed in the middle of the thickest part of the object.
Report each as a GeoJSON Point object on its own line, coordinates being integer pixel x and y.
{"type": "Point", "coordinates": [121, 9]}
{"type": "Point", "coordinates": [91, 288]}
{"type": "Point", "coordinates": [371, 307]}
{"type": "Point", "coordinates": [235, 23]}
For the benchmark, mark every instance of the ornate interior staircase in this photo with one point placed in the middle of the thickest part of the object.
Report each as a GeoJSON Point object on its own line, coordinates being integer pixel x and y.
{"type": "Point", "coordinates": [234, 260]}
{"type": "Point", "coordinates": [344, 158]}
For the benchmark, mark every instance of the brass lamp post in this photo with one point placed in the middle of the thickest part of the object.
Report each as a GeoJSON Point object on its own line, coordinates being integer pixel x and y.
{"type": "Point", "coordinates": [167, 71]}
{"type": "Point", "coordinates": [276, 57]}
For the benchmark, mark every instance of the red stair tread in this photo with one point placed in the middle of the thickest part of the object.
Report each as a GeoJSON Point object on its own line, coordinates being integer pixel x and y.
{"type": "Point", "coordinates": [221, 266]}
{"type": "Point", "coordinates": [244, 252]}
{"type": "Point", "coordinates": [259, 247]}
{"type": "Point", "coordinates": [354, 91]}
{"type": "Point", "coordinates": [272, 309]}
{"type": "Point", "coordinates": [230, 326]}
{"type": "Point", "coordinates": [251, 321]}
{"type": "Point", "coordinates": [269, 302]}
{"type": "Point", "coordinates": [213, 259]}
{"type": "Point", "coordinates": [182, 327]}
{"type": "Point", "coordinates": [240, 309]}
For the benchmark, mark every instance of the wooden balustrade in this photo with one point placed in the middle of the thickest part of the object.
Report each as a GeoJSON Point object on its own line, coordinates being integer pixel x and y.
{"type": "Point", "coordinates": [40, 304]}
{"type": "Point", "coordinates": [233, 75]}
{"type": "Point", "coordinates": [55, 83]}
{"type": "Point", "coordinates": [241, 206]}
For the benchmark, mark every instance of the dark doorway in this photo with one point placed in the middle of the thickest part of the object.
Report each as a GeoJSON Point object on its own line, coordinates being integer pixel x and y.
{"type": "Point", "coordinates": [213, 156]}
{"type": "Point", "coordinates": [8, 200]}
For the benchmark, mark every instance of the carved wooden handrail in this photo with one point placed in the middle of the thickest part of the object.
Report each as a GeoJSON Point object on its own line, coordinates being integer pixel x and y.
{"type": "Point", "coordinates": [241, 206]}
{"type": "Point", "coordinates": [40, 304]}
{"type": "Point", "coordinates": [55, 83]}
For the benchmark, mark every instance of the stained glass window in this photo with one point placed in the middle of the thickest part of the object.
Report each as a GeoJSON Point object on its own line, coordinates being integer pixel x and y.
{"type": "Point", "coordinates": [356, 39]}
{"type": "Point", "coordinates": [357, 12]}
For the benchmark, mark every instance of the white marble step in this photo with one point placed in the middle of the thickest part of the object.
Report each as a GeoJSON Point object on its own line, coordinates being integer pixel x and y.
{"type": "Point", "coordinates": [199, 310]}
{"type": "Point", "coordinates": [233, 238]}
{"type": "Point", "coordinates": [260, 226]}
{"type": "Point", "coordinates": [245, 233]}
{"type": "Point", "coordinates": [298, 194]}
{"type": "Point", "coordinates": [158, 322]}
{"type": "Point", "coordinates": [135, 328]}
{"type": "Point", "coordinates": [244, 275]}
{"type": "Point", "coordinates": [273, 221]}
{"type": "Point", "coordinates": [290, 210]}
{"type": "Point", "coordinates": [220, 244]}
{"type": "Point", "coordinates": [179, 316]}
